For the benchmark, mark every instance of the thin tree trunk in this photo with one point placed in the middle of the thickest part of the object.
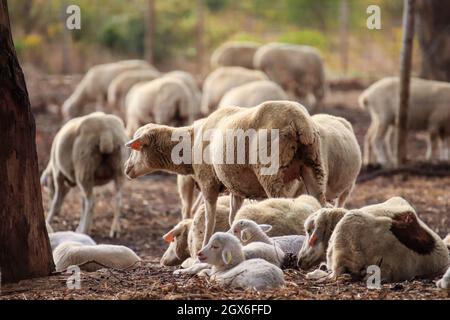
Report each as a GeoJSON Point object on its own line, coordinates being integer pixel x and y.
{"type": "Point", "coordinates": [151, 25]}
{"type": "Point", "coordinates": [344, 16]}
{"type": "Point", "coordinates": [405, 75]}
{"type": "Point", "coordinates": [24, 246]}
{"type": "Point", "coordinates": [433, 30]}
{"type": "Point", "coordinates": [200, 36]}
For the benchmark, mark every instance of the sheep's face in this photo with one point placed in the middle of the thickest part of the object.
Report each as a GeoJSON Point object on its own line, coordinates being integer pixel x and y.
{"type": "Point", "coordinates": [314, 246]}
{"type": "Point", "coordinates": [147, 154]}
{"type": "Point", "coordinates": [218, 251]}
{"type": "Point", "coordinates": [245, 229]}
{"type": "Point", "coordinates": [177, 238]}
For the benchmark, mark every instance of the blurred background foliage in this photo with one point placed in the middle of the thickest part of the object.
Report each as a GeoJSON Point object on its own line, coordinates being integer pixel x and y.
{"type": "Point", "coordinates": [116, 29]}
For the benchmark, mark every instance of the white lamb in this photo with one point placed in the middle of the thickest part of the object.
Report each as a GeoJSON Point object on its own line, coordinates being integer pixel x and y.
{"type": "Point", "coordinates": [229, 267]}
{"type": "Point", "coordinates": [428, 110]}
{"type": "Point", "coordinates": [94, 86]}
{"type": "Point", "coordinates": [252, 94]}
{"type": "Point", "coordinates": [92, 258]}
{"type": "Point", "coordinates": [86, 152]}
{"type": "Point", "coordinates": [56, 238]}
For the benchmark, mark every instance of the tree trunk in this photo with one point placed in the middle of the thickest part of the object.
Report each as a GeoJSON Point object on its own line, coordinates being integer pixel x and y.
{"type": "Point", "coordinates": [433, 30]}
{"type": "Point", "coordinates": [200, 36]}
{"type": "Point", "coordinates": [150, 45]}
{"type": "Point", "coordinates": [344, 13]}
{"type": "Point", "coordinates": [24, 246]}
{"type": "Point", "coordinates": [405, 75]}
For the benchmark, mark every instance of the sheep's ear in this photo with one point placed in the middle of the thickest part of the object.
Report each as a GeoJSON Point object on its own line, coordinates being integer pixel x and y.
{"type": "Point", "coordinates": [265, 227]}
{"type": "Point", "coordinates": [313, 239]}
{"type": "Point", "coordinates": [135, 144]}
{"type": "Point", "coordinates": [226, 256]}
{"type": "Point", "coordinates": [168, 237]}
{"type": "Point", "coordinates": [245, 235]}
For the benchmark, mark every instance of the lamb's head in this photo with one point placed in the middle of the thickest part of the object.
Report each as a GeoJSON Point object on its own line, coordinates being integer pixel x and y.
{"type": "Point", "coordinates": [177, 238]}
{"type": "Point", "coordinates": [248, 230]}
{"type": "Point", "coordinates": [318, 229]}
{"type": "Point", "coordinates": [223, 251]}
{"type": "Point", "coordinates": [71, 108]}
{"type": "Point", "coordinates": [150, 150]}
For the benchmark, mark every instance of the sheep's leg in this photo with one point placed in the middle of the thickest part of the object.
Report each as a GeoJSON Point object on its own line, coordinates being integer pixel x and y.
{"type": "Point", "coordinates": [187, 197]}
{"type": "Point", "coordinates": [86, 218]}
{"type": "Point", "coordinates": [343, 197]}
{"type": "Point", "coordinates": [235, 205]}
{"type": "Point", "coordinates": [58, 196]}
{"type": "Point", "coordinates": [368, 147]}
{"type": "Point", "coordinates": [314, 180]}
{"type": "Point", "coordinates": [445, 152]}
{"type": "Point", "coordinates": [433, 146]}
{"type": "Point", "coordinates": [391, 143]}
{"type": "Point", "coordinates": [379, 144]}
{"type": "Point", "coordinates": [196, 204]}
{"type": "Point", "coordinates": [115, 227]}
{"type": "Point", "coordinates": [210, 198]}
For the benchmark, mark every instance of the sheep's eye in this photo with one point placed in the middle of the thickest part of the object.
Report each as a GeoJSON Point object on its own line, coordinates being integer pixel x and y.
{"type": "Point", "coordinates": [215, 247]}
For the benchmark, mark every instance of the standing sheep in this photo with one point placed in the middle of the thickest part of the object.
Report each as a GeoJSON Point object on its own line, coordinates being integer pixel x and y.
{"type": "Point", "coordinates": [298, 69]}
{"type": "Point", "coordinates": [234, 54]}
{"type": "Point", "coordinates": [225, 254]}
{"type": "Point", "coordinates": [223, 79]}
{"type": "Point", "coordinates": [166, 100]}
{"type": "Point", "coordinates": [253, 94]}
{"type": "Point", "coordinates": [86, 152]}
{"type": "Point", "coordinates": [428, 110]}
{"type": "Point", "coordinates": [94, 86]}
{"type": "Point", "coordinates": [121, 84]}
{"type": "Point", "coordinates": [299, 155]}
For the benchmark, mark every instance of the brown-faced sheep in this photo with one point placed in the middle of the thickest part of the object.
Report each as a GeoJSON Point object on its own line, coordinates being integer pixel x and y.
{"type": "Point", "coordinates": [94, 86]}
{"type": "Point", "coordinates": [428, 110]}
{"type": "Point", "coordinates": [87, 151]}
{"type": "Point", "coordinates": [223, 79]}
{"type": "Point", "coordinates": [234, 54]}
{"type": "Point", "coordinates": [298, 69]}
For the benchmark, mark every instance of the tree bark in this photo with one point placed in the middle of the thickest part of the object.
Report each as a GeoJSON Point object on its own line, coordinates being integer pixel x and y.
{"type": "Point", "coordinates": [150, 46]}
{"type": "Point", "coordinates": [405, 75]}
{"type": "Point", "coordinates": [433, 30]}
{"type": "Point", "coordinates": [200, 30]}
{"type": "Point", "coordinates": [24, 246]}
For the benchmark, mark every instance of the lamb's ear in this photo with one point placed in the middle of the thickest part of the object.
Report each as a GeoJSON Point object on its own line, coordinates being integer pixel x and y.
{"type": "Point", "coordinates": [227, 256]}
{"type": "Point", "coordinates": [135, 144]}
{"type": "Point", "coordinates": [245, 235]}
{"type": "Point", "coordinates": [314, 238]}
{"type": "Point", "coordinates": [168, 237]}
{"type": "Point", "coordinates": [265, 227]}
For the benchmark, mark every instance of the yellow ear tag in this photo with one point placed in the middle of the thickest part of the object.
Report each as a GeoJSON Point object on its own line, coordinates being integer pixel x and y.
{"type": "Point", "coordinates": [229, 257]}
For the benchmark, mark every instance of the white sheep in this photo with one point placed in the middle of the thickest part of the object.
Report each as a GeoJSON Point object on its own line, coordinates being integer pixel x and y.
{"type": "Point", "coordinates": [248, 231]}
{"type": "Point", "coordinates": [92, 258]}
{"type": "Point", "coordinates": [444, 283]}
{"type": "Point", "coordinates": [401, 245]}
{"type": "Point", "coordinates": [234, 53]}
{"type": "Point", "coordinates": [229, 267]}
{"type": "Point", "coordinates": [299, 155]}
{"type": "Point", "coordinates": [428, 110]}
{"type": "Point", "coordinates": [223, 79]}
{"type": "Point", "coordinates": [165, 100]}
{"type": "Point", "coordinates": [298, 69]}
{"type": "Point", "coordinates": [56, 238]}
{"type": "Point", "coordinates": [252, 94]}
{"type": "Point", "coordinates": [320, 225]}
{"type": "Point", "coordinates": [86, 152]}
{"type": "Point", "coordinates": [94, 86]}
{"type": "Point", "coordinates": [121, 84]}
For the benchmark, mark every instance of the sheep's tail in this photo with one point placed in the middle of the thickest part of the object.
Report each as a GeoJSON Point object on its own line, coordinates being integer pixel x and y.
{"type": "Point", "coordinates": [106, 143]}
{"type": "Point", "coordinates": [362, 101]}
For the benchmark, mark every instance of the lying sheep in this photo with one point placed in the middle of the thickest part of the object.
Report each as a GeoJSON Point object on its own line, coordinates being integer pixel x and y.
{"type": "Point", "coordinates": [92, 258]}
{"type": "Point", "coordinates": [320, 225]}
{"type": "Point", "coordinates": [166, 100]}
{"type": "Point", "coordinates": [122, 84]}
{"type": "Point", "coordinates": [444, 283]}
{"type": "Point", "coordinates": [299, 157]}
{"type": "Point", "coordinates": [56, 238]}
{"type": "Point", "coordinates": [94, 86]}
{"type": "Point", "coordinates": [428, 110]}
{"type": "Point", "coordinates": [223, 79]}
{"type": "Point", "coordinates": [401, 245]}
{"type": "Point", "coordinates": [252, 94]}
{"type": "Point", "coordinates": [248, 231]}
{"type": "Point", "coordinates": [86, 152]}
{"type": "Point", "coordinates": [235, 53]}
{"type": "Point", "coordinates": [298, 69]}
{"type": "Point", "coordinates": [225, 254]}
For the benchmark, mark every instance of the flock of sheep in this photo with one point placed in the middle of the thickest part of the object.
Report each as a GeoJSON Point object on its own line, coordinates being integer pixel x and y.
{"type": "Point", "coordinates": [240, 239]}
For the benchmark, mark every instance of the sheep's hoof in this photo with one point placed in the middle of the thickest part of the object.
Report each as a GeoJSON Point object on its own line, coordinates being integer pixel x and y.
{"type": "Point", "coordinates": [114, 234]}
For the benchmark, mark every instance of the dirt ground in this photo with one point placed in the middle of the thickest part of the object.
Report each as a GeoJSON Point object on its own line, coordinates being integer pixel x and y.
{"type": "Point", "coordinates": [151, 207]}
